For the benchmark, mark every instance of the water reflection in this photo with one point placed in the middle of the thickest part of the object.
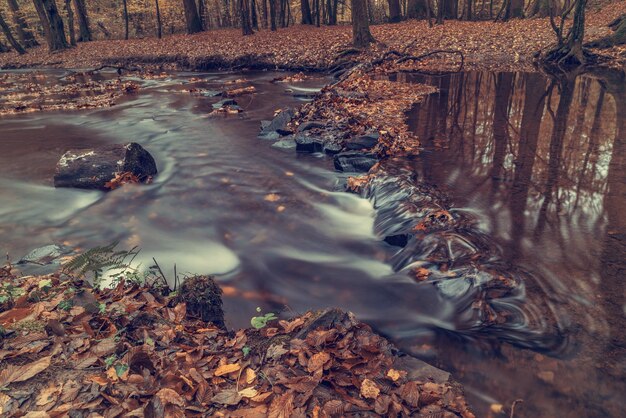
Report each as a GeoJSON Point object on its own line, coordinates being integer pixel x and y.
{"type": "Point", "coordinates": [541, 162]}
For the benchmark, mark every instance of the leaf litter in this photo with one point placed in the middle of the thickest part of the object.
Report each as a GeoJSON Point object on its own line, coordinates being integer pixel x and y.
{"type": "Point", "coordinates": [141, 353]}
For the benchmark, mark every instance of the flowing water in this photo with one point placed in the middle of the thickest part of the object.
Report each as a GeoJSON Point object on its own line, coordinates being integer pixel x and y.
{"type": "Point", "coordinates": [536, 165]}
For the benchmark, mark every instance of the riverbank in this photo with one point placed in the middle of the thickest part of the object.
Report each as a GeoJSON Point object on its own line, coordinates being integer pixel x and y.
{"type": "Point", "coordinates": [485, 45]}
{"type": "Point", "coordinates": [144, 350]}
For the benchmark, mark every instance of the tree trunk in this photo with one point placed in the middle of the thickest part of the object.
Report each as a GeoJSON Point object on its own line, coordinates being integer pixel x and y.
{"type": "Point", "coordinates": [9, 36]}
{"type": "Point", "coordinates": [52, 24]}
{"type": "Point", "coordinates": [394, 11]}
{"type": "Point", "coordinates": [24, 34]}
{"type": "Point", "coordinates": [70, 21]}
{"type": "Point", "coordinates": [253, 14]}
{"type": "Point", "coordinates": [540, 8]}
{"type": "Point", "coordinates": [125, 19]}
{"type": "Point", "coordinates": [361, 36]}
{"type": "Point", "coordinates": [306, 12]}
{"type": "Point", "coordinates": [246, 26]}
{"type": "Point", "coordinates": [532, 113]}
{"type": "Point", "coordinates": [272, 15]}
{"type": "Point", "coordinates": [469, 13]}
{"type": "Point", "coordinates": [158, 18]}
{"type": "Point", "coordinates": [449, 9]}
{"type": "Point", "coordinates": [501, 137]}
{"type": "Point", "coordinates": [514, 9]}
{"type": "Point", "coordinates": [192, 19]}
{"type": "Point", "coordinates": [416, 9]}
{"type": "Point", "coordinates": [264, 14]}
{"type": "Point", "coordinates": [84, 33]}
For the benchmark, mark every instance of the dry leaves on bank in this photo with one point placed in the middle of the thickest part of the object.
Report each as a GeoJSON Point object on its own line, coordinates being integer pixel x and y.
{"type": "Point", "coordinates": [140, 354]}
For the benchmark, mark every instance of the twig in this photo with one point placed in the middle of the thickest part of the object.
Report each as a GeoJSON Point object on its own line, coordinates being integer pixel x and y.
{"type": "Point", "coordinates": [515, 402]}
{"type": "Point", "coordinates": [156, 264]}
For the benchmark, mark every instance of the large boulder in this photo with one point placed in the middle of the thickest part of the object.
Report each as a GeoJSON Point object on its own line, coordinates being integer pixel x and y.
{"type": "Point", "coordinates": [94, 168]}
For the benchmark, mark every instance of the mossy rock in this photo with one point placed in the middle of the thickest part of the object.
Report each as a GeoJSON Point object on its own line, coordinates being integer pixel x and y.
{"type": "Point", "coordinates": [203, 298]}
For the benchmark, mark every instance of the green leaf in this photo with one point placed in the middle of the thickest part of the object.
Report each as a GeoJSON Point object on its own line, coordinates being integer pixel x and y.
{"type": "Point", "coordinates": [120, 369]}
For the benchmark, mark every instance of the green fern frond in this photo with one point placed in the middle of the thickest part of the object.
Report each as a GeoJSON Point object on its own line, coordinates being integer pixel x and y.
{"type": "Point", "coordinates": [99, 259]}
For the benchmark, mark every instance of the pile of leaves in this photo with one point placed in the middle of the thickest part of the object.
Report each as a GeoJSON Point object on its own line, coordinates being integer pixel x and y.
{"type": "Point", "coordinates": [139, 350]}
{"type": "Point", "coordinates": [485, 44]}
{"type": "Point", "coordinates": [23, 93]}
{"type": "Point", "coordinates": [362, 103]}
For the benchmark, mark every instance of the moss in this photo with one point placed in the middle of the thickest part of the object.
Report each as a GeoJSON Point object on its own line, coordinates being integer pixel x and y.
{"type": "Point", "coordinates": [203, 298]}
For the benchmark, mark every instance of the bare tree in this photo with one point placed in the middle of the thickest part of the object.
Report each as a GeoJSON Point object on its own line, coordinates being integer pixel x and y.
{"type": "Point", "coordinates": [125, 19]}
{"type": "Point", "coordinates": [306, 12]}
{"type": "Point", "coordinates": [568, 50]}
{"type": "Point", "coordinates": [84, 33]}
{"type": "Point", "coordinates": [7, 33]}
{"type": "Point", "coordinates": [52, 24]}
{"type": "Point", "coordinates": [158, 18]}
{"type": "Point", "coordinates": [23, 32]}
{"type": "Point", "coordinates": [361, 35]}
{"type": "Point", "coordinates": [395, 14]}
{"type": "Point", "coordinates": [70, 22]}
{"type": "Point", "coordinates": [192, 19]}
{"type": "Point", "coordinates": [246, 24]}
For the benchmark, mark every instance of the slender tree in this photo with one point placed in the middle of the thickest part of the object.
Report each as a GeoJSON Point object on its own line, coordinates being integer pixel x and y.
{"type": "Point", "coordinates": [23, 32]}
{"type": "Point", "coordinates": [52, 24]}
{"type": "Point", "coordinates": [70, 21]}
{"type": "Point", "coordinates": [306, 12]}
{"type": "Point", "coordinates": [84, 32]}
{"type": "Point", "coordinates": [416, 9]}
{"type": "Point", "coordinates": [272, 14]}
{"type": "Point", "coordinates": [449, 9]}
{"type": "Point", "coordinates": [124, 2]}
{"type": "Point", "coordinates": [192, 19]}
{"type": "Point", "coordinates": [7, 33]}
{"type": "Point", "coordinates": [361, 35]}
{"type": "Point", "coordinates": [246, 25]}
{"type": "Point", "coordinates": [158, 18]}
{"type": "Point", "coordinates": [395, 14]}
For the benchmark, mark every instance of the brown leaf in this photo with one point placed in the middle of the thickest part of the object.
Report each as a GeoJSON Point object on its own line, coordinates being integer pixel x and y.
{"type": "Point", "coordinates": [227, 397]}
{"type": "Point", "coordinates": [168, 396]}
{"type": "Point", "coordinates": [104, 347]}
{"type": "Point", "coordinates": [226, 369]}
{"type": "Point", "coordinates": [14, 373]}
{"type": "Point", "coordinates": [369, 389]}
{"type": "Point", "coordinates": [410, 393]}
{"type": "Point", "coordinates": [281, 406]}
{"type": "Point", "coordinates": [317, 361]}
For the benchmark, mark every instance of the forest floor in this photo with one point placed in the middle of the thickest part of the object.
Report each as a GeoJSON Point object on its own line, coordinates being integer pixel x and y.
{"type": "Point", "coordinates": [485, 45]}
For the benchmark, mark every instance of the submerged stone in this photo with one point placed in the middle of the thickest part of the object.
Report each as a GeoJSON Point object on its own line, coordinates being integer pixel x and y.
{"type": "Point", "coordinates": [306, 143]}
{"type": "Point", "coordinates": [355, 161]}
{"type": "Point", "coordinates": [93, 168]}
{"type": "Point", "coordinates": [223, 103]}
{"type": "Point", "coordinates": [279, 123]}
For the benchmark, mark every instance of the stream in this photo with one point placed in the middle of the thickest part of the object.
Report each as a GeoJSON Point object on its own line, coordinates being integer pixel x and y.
{"type": "Point", "coordinates": [538, 163]}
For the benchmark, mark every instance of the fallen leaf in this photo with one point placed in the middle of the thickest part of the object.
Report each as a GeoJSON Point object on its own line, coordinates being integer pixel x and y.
{"type": "Point", "coordinates": [226, 369]}
{"type": "Point", "coordinates": [227, 397]}
{"type": "Point", "coordinates": [369, 389]}
{"type": "Point", "coordinates": [14, 373]}
{"type": "Point", "coordinates": [250, 392]}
